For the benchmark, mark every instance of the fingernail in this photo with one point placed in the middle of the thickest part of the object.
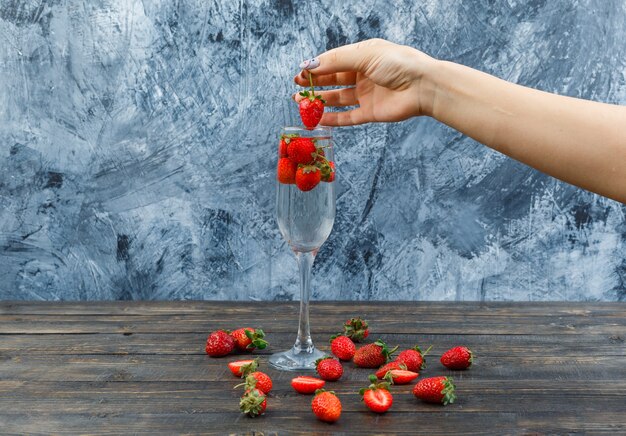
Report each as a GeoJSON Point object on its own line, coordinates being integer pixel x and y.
{"type": "Point", "coordinates": [309, 64]}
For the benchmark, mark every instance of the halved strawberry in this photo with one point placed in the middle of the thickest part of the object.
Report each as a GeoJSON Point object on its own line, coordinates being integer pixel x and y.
{"type": "Point", "coordinates": [402, 376]}
{"type": "Point", "coordinates": [238, 366]}
{"type": "Point", "coordinates": [307, 385]}
{"type": "Point", "coordinates": [377, 396]}
{"type": "Point", "coordinates": [388, 367]}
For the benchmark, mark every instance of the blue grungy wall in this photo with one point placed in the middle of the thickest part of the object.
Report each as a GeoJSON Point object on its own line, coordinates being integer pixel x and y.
{"type": "Point", "coordinates": [137, 143]}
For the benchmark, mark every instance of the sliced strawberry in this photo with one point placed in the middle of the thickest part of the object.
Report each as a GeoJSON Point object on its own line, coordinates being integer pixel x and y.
{"type": "Point", "coordinates": [378, 400]}
{"type": "Point", "coordinates": [237, 366]}
{"type": "Point", "coordinates": [388, 367]}
{"type": "Point", "coordinates": [306, 384]}
{"type": "Point", "coordinates": [402, 376]}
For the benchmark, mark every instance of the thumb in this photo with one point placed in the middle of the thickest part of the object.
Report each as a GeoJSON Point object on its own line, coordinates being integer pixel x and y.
{"type": "Point", "coordinates": [351, 57]}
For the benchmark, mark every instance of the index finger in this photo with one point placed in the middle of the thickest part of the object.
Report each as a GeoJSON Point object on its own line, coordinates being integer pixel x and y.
{"type": "Point", "coordinates": [351, 57]}
{"type": "Point", "coordinates": [335, 79]}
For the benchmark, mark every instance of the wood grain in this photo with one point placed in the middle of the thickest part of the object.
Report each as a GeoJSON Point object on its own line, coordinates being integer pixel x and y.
{"type": "Point", "coordinates": [139, 367]}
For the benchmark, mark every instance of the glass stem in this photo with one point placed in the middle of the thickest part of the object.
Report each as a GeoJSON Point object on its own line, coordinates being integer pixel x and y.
{"type": "Point", "coordinates": [304, 343]}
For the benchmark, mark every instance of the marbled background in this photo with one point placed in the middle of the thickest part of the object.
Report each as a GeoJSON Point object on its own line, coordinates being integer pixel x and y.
{"type": "Point", "coordinates": [137, 143]}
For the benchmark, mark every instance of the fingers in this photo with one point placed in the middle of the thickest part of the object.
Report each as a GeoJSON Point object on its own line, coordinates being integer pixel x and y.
{"type": "Point", "coordinates": [346, 118]}
{"type": "Point", "coordinates": [336, 97]}
{"type": "Point", "coordinates": [335, 79]}
{"type": "Point", "coordinates": [351, 57]}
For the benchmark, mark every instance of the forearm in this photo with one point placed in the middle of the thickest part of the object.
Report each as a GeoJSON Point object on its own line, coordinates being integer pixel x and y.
{"type": "Point", "coordinates": [578, 141]}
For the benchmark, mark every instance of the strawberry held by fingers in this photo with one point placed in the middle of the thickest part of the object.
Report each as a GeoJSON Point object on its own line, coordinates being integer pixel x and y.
{"type": "Point", "coordinates": [311, 107]}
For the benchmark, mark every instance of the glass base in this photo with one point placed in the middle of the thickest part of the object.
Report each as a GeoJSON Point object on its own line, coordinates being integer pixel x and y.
{"type": "Point", "coordinates": [296, 359]}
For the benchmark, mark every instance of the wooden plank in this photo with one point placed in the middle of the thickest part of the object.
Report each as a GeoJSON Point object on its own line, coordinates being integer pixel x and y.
{"type": "Point", "coordinates": [193, 343]}
{"type": "Point", "coordinates": [275, 422]}
{"type": "Point", "coordinates": [191, 397]}
{"type": "Point", "coordinates": [381, 324]}
{"type": "Point", "coordinates": [337, 308]}
{"type": "Point", "coordinates": [198, 368]}
{"type": "Point", "coordinates": [432, 422]}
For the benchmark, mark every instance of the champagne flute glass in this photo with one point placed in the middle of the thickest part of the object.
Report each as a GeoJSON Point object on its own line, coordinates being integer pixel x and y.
{"type": "Point", "coordinates": [305, 219]}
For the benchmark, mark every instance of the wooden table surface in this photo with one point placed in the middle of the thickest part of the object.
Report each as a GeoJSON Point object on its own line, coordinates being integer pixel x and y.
{"type": "Point", "coordinates": [135, 367]}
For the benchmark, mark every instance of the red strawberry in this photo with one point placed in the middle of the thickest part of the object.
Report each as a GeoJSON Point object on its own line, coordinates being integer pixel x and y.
{"type": "Point", "coordinates": [388, 367]}
{"type": "Point", "coordinates": [253, 403]}
{"type": "Point", "coordinates": [282, 148]}
{"type": "Point", "coordinates": [286, 171]}
{"type": "Point", "coordinates": [219, 343]}
{"type": "Point", "coordinates": [239, 366]}
{"type": "Point", "coordinates": [326, 406]}
{"type": "Point", "coordinates": [307, 385]}
{"type": "Point", "coordinates": [330, 177]}
{"type": "Point", "coordinates": [402, 376]}
{"type": "Point", "coordinates": [435, 390]}
{"type": "Point", "coordinates": [328, 368]}
{"type": "Point", "coordinates": [457, 358]}
{"type": "Point", "coordinates": [413, 358]}
{"type": "Point", "coordinates": [259, 380]}
{"type": "Point", "coordinates": [308, 177]}
{"type": "Point", "coordinates": [342, 347]}
{"type": "Point", "coordinates": [356, 329]}
{"type": "Point", "coordinates": [311, 107]}
{"type": "Point", "coordinates": [247, 339]}
{"type": "Point", "coordinates": [372, 355]}
{"type": "Point", "coordinates": [302, 151]}
{"type": "Point", "coordinates": [377, 396]}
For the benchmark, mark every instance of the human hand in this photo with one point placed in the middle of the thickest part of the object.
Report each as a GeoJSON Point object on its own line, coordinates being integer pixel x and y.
{"type": "Point", "coordinates": [388, 82]}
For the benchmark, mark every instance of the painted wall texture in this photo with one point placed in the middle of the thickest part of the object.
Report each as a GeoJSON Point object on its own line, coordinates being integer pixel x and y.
{"type": "Point", "coordinates": [138, 139]}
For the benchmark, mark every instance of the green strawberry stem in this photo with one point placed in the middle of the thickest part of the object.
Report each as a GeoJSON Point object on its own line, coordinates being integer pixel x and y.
{"type": "Point", "coordinates": [312, 89]}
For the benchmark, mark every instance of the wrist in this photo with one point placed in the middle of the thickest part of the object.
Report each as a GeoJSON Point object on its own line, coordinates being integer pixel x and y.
{"type": "Point", "coordinates": [427, 73]}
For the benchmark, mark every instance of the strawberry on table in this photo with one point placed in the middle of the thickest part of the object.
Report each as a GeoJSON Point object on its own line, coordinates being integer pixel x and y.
{"type": "Point", "coordinates": [413, 358]}
{"type": "Point", "coordinates": [457, 358]}
{"type": "Point", "coordinates": [247, 339]}
{"type": "Point", "coordinates": [329, 369]}
{"type": "Point", "coordinates": [253, 403]}
{"type": "Point", "coordinates": [376, 396]}
{"type": "Point", "coordinates": [219, 343]}
{"type": "Point", "coordinates": [307, 385]}
{"type": "Point", "coordinates": [438, 390]}
{"type": "Point", "coordinates": [259, 380]}
{"type": "Point", "coordinates": [356, 329]}
{"type": "Point", "coordinates": [308, 177]}
{"type": "Point", "coordinates": [326, 406]}
{"type": "Point", "coordinates": [239, 366]}
{"type": "Point", "coordinates": [311, 107]}
{"type": "Point", "coordinates": [401, 376]}
{"type": "Point", "coordinates": [372, 355]}
{"type": "Point", "coordinates": [342, 347]}
{"type": "Point", "coordinates": [286, 171]}
{"type": "Point", "coordinates": [383, 370]}
{"type": "Point", "coordinates": [254, 378]}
